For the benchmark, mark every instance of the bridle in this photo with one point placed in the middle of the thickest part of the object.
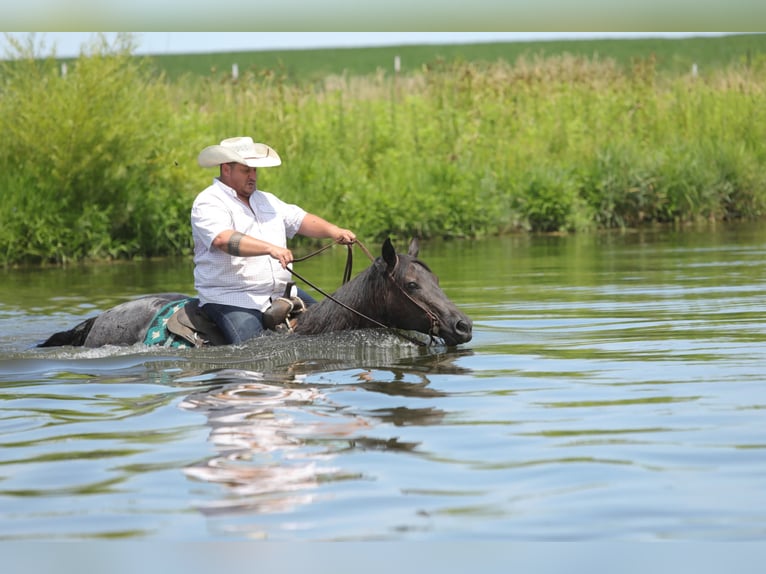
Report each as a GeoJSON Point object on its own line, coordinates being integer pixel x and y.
{"type": "Point", "coordinates": [433, 332]}
{"type": "Point", "coordinates": [433, 320]}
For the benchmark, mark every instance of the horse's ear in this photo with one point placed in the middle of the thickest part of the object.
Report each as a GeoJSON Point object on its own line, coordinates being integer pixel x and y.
{"type": "Point", "coordinates": [414, 247]}
{"type": "Point", "coordinates": [389, 253]}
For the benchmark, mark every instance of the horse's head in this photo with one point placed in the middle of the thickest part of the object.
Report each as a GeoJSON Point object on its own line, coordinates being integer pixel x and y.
{"type": "Point", "coordinates": [417, 302]}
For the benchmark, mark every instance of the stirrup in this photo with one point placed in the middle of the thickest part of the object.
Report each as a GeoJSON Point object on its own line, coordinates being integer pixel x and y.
{"type": "Point", "coordinates": [276, 316]}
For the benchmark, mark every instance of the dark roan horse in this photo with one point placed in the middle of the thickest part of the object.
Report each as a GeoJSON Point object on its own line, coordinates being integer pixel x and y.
{"type": "Point", "coordinates": [396, 291]}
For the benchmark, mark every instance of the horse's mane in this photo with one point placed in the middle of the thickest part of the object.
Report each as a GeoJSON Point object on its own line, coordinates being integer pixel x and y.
{"type": "Point", "coordinates": [362, 293]}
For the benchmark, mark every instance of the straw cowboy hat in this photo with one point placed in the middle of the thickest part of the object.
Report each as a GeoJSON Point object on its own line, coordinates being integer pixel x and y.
{"type": "Point", "coordinates": [240, 150]}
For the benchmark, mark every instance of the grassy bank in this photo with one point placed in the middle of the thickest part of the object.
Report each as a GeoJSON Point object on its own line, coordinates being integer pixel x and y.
{"type": "Point", "coordinates": [101, 162]}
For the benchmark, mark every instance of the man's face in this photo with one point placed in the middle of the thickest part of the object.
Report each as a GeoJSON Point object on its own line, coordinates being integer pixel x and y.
{"type": "Point", "coordinates": [240, 178]}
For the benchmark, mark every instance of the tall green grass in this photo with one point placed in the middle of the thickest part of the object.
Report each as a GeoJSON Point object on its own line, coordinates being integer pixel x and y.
{"type": "Point", "coordinates": [101, 162]}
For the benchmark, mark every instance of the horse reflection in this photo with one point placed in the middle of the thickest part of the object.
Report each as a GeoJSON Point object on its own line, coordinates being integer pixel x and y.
{"type": "Point", "coordinates": [279, 437]}
{"type": "Point", "coordinates": [260, 456]}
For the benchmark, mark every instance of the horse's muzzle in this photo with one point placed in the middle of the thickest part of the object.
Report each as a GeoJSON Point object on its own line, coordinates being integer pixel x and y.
{"type": "Point", "coordinates": [461, 332]}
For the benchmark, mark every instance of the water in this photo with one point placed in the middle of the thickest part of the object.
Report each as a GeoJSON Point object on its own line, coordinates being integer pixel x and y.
{"type": "Point", "coordinates": [614, 390]}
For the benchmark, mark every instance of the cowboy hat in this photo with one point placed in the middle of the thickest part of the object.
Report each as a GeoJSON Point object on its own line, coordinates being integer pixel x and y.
{"type": "Point", "coordinates": [240, 150]}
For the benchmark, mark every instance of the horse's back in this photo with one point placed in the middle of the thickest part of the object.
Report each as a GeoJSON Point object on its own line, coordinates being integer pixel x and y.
{"type": "Point", "coordinates": [124, 324]}
{"type": "Point", "coordinates": [128, 323]}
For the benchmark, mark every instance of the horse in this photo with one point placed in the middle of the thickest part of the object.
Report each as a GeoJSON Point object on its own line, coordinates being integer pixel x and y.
{"type": "Point", "coordinates": [397, 291]}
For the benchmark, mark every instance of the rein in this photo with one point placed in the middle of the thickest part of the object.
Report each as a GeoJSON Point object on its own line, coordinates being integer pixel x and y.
{"type": "Point", "coordinates": [347, 276]}
{"type": "Point", "coordinates": [349, 260]}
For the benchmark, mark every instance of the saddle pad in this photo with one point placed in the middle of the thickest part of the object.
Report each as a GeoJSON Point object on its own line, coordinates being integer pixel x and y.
{"type": "Point", "coordinates": [158, 332]}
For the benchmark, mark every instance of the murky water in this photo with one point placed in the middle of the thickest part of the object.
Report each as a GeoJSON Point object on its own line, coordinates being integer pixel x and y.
{"type": "Point", "coordinates": [614, 390]}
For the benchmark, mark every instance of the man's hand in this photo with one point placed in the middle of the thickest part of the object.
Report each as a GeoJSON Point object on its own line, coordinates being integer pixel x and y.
{"type": "Point", "coordinates": [282, 254]}
{"type": "Point", "coordinates": [344, 236]}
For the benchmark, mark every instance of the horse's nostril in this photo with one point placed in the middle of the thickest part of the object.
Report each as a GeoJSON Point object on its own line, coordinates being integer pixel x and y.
{"type": "Point", "coordinates": [463, 327]}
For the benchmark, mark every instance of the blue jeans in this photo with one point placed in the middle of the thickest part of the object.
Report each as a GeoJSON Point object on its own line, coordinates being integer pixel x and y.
{"type": "Point", "coordinates": [238, 324]}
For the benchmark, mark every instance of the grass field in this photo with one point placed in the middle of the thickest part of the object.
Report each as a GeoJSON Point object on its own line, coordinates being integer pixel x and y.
{"type": "Point", "coordinates": [671, 55]}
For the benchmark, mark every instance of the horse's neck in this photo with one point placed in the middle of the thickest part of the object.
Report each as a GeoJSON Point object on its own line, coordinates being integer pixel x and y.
{"type": "Point", "coordinates": [333, 314]}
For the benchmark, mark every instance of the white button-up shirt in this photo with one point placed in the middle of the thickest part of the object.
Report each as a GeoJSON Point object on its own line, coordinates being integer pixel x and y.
{"type": "Point", "coordinates": [249, 282]}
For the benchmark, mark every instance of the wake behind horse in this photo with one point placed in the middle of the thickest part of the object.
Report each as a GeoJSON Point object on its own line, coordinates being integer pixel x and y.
{"type": "Point", "coordinates": [397, 291]}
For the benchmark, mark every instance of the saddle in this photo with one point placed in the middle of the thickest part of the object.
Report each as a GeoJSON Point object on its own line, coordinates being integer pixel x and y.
{"type": "Point", "coordinates": [191, 323]}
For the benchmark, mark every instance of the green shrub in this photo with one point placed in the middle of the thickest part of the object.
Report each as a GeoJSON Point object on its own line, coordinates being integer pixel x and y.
{"type": "Point", "coordinates": [101, 162]}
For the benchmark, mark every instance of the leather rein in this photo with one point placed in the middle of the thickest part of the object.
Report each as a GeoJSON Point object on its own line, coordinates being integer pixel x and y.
{"type": "Point", "coordinates": [434, 330]}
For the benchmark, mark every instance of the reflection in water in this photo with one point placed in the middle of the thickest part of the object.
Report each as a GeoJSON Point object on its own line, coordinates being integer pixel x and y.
{"type": "Point", "coordinates": [278, 436]}
{"type": "Point", "coordinates": [261, 457]}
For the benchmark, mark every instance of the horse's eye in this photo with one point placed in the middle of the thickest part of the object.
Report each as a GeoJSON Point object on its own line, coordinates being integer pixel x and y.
{"type": "Point", "coordinates": [411, 286]}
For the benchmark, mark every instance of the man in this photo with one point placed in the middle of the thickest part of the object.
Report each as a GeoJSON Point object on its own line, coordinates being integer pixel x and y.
{"type": "Point", "coordinates": [240, 234]}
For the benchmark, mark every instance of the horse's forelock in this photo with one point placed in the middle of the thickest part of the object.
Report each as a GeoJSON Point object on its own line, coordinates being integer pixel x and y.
{"type": "Point", "coordinates": [422, 264]}
{"type": "Point", "coordinates": [402, 267]}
